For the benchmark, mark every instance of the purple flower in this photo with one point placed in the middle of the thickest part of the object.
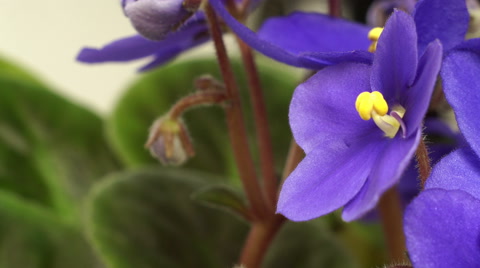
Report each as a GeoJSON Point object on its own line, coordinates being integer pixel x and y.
{"type": "Point", "coordinates": [172, 26]}
{"type": "Point", "coordinates": [308, 40]}
{"type": "Point", "coordinates": [193, 33]}
{"type": "Point", "coordinates": [442, 223]}
{"type": "Point", "coordinates": [352, 159]}
{"type": "Point", "coordinates": [461, 84]}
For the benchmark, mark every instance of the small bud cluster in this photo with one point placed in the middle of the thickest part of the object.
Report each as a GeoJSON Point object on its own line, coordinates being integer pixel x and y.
{"type": "Point", "coordinates": [169, 141]}
{"type": "Point", "coordinates": [155, 19]}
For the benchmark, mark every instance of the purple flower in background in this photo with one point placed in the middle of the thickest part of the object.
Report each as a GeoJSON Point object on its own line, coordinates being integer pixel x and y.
{"type": "Point", "coordinates": [442, 225]}
{"type": "Point", "coordinates": [461, 84]}
{"type": "Point", "coordinates": [316, 40]}
{"type": "Point", "coordinates": [193, 33]}
{"type": "Point", "coordinates": [308, 40]}
{"type": "Point", "coordinates": [167, 28]}
{"type": "Point", "coordinates": [351, 159]}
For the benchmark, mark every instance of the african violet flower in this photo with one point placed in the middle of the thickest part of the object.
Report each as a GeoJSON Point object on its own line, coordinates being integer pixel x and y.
{"type": "Point", "coordinates": [359, 125]}
{"type": "Point", "coordinates": [442, 224]}
{"type": "Point", "coordinates": [193, 33]}
{"type": "Point", "coordinates": [308, 40]}
{"type": "Point", "coordinates": [316, 40]}
{"type": "Point", "coordinates": [172, 26]}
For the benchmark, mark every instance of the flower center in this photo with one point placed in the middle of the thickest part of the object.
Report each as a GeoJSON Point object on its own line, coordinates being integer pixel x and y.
{"type": "Point", "coordinates": [373, 35]}
{"type": "Point", "coordinates": [372, 105]}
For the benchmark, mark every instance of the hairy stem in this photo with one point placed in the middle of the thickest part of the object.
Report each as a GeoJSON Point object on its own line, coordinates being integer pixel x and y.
{"type": "Point", "coordinates": [235, 122]}
{"type": "Point", "coordinates": [390, 210]}
{"type": "Point", "coordinates": [424, 167]}
{"type": "Point", "coordinates": [206, 97]}
{"type": "Point", "coordinates": [261, 124]}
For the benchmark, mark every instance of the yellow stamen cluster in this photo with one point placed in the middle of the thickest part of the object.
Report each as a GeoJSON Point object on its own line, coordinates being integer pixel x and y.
{"type": "Point", "coordinates": [372, 105]}
{"type": "Point", "coordinates": [374, 35]}
{"type": "Point", "coordinates": [368, 102]}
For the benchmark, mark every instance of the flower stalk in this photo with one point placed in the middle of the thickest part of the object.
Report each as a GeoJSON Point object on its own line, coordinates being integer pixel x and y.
{"type": "Point", "coordinates": [335, 8]}
{"type": "Point", "coordinates": [391, 216]}
{"type": "Point", "coordinates": [203, 97]}
{"type": "Point", "coordinates": [236, 123]}
{"type": "Point", "coordinates": [270, 182]}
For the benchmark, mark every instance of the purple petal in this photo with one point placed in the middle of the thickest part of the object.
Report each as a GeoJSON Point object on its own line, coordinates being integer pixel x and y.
{"type": "Point", "coordinates": [388, 168]}
{"type": "Point", "coordinates": [314, 32]}
{"type": "Point", "coordinates": [395, 60]}
{"type": "Point", "coordinates": [328, 177]}
{"type": "Point", "coordinates": [332, 58]}
{"type": "Point", "coordinates": [126, 49]}
{"type": "Point", "coordinates": [276, 51]}
{"type": "Point", "coordinates": [249, 37]}
{"type": "Point", "coordinates": [445, 20]}
{"type": "Point", "coordinates": [442, 229]}
{"type": "Point", "coordinates": [461, 83]}
{"type": "Point", "coordinates": [322, 109]}
{"type": "Point", "coordinates": [460, 170]}
{"type": "Point", "coordinates": [419, 95]}
{"type": "Point", "coordinates": [136, 47]}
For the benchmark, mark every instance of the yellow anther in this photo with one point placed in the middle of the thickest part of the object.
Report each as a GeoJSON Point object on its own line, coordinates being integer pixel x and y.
{"type": "Point", "coordinates": [368, 103]}
{"type": "Point", "coordinates": [374, 35]}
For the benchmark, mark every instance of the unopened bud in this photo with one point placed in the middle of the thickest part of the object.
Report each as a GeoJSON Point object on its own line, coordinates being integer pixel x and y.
{"type": "Point", "coordinates": [154, 19]}
{"type": "Point", "coordinates": [169, 142]}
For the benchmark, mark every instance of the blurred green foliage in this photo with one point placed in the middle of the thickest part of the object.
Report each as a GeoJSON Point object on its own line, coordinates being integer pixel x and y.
{"type": "Point", "coordinates": [71, 196]}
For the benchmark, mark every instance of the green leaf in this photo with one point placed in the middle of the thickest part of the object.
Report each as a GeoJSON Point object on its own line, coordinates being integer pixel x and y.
{"type": "Point", "coordinates": [34, 237]}
{"type": "Point", "coordinates": [154, 93]}
{"type": "Point", "coordinates": [51, 150]}
{"type": "Point", "coordinates": [223, 197]}
{"type": "Point", "coordinates": [11, 70]}
{"type": "Point", "coordinates": [307, 245]}
{"type": "Point", "coordinates": [145, 218]}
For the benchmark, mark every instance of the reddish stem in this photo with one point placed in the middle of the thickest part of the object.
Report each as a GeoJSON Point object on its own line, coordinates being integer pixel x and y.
{"type": "Point", "coordinates": [236, 123]}
{"type": "Point", "coordinates": [261, 124]}
{"type": "Point", "coordinates": [390, 210]}
{"type": "Point", "coordinates": [193, 100]}
{"type": "Point", "coordinates": [335, 8]}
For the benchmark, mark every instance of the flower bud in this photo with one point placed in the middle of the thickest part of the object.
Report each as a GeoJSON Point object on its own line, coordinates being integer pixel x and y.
{"type": "Point", "coordinates": [154, 19]}
{"type": "Point", "coordinates": [169, 142]}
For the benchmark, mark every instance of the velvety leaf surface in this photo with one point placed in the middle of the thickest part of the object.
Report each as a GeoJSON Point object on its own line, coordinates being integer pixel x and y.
{"type": "Point", "coordinates": [223, 197]}
{"type": "Point", "coordinates": [51, 150]}
{"type": "Point", "coordinates": [307, 245]}
{"type": "Point", "coordinates": [154, 93]}
{"type": "Point", "coordinates": [33, 237]}
{"type": "Point", "coordinates": [146, 218]}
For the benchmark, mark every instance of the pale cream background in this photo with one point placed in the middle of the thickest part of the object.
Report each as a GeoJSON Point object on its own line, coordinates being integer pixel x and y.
{"type": "Point", "coordinates": [46, 35]}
